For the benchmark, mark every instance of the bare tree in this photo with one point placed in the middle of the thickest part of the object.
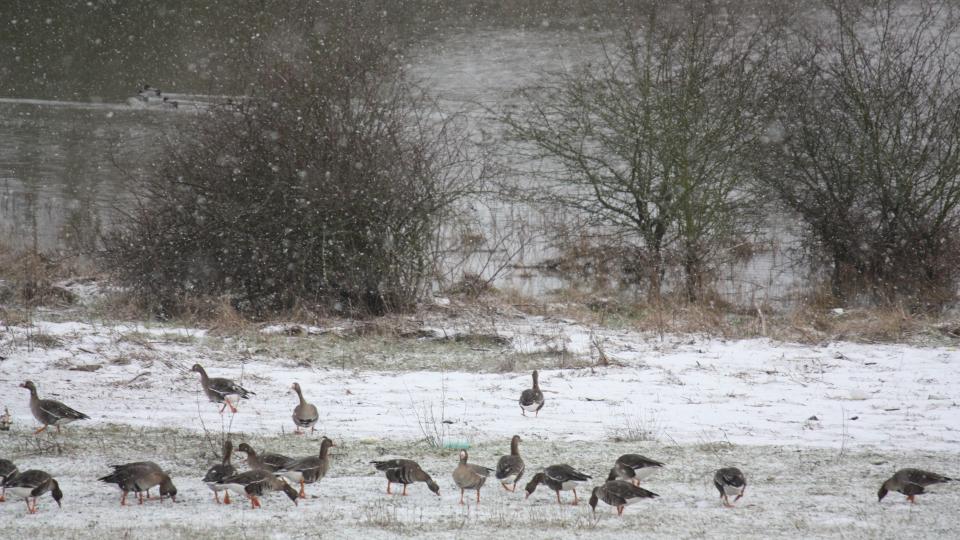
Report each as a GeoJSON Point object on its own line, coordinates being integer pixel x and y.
{"type": "Point", "coordinates": [651, 140]}
{"type": "Point", "coordinates": [870, 152]}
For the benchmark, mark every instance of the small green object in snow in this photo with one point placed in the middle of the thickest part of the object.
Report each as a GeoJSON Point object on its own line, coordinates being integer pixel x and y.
{"type": "Point", "coordinates": [457, 445]}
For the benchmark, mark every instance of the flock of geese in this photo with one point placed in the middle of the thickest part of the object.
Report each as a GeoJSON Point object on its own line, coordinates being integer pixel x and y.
{"type": "Point", "coordinates": [271, 472]}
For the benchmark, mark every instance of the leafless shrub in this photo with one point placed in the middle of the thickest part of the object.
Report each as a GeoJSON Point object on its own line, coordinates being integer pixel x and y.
{"type": "Point", "coordinates": [327, 189]}
{"type": "Point", "coordinates": [865, 149]}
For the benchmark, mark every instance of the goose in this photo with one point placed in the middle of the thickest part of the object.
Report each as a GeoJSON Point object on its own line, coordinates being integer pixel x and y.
{"type": "Point", "coordinates": [139, 477]}
{"type": "Point", "coordinates": [32, 484]}
{"type": "Point", "coordinates": [220, 471]}
{"type": "Point", "coordinates": [7, 471]}
{"type": "Point", "coordinates": [469, 476]}
{"type": "Point", "coordinates": [910, 482]}
{"type": "Point", "coordinates": [531, 399]}
{"type": "Point", "coordinates": [266, 461]}
{"type": "Point", "coordinates": [558, 478]}
{"type": "Point", "coordinates": [305, 415]}
{"type": "Point", "coordinates": [510, 468]}
{"type": "Point", "coordinates": [633, 468]}
{"type": "Point", "coordinates": [406, 472]}
{"type": "Point", "coordinates": [220, 390]}
{"type": "Point", "coordinates": [309, 469]}
{"type": "Point", "coordinates": [619, 494]}
{"type": "Point", "coordinates": [255, 483]}
{"type": "Point", "coordinates": [730, 481]}
{"type": "Point", "coordinates": [50, 412]}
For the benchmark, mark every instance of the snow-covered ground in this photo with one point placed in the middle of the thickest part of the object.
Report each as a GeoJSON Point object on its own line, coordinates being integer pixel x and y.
{"type": "Point", "coordinates": [816, 429]}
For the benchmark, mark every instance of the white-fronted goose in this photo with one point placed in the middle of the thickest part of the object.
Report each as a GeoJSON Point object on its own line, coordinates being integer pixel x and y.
{"type": "Point", "coordinates": [256, 483]}
{"type": "Point", "coordinates": [510, 468]}
{"type": "Point", "coordinates": [221, 470]}
{"type": "Point", "coordinates": [138, 477]}
{"type": "Point", "coordinates": [406, 472]}
{"type": "Point", "coordinates": [633, 468]}
{"type": "Point", "coordinates": [32, 484]}
{"type": "Point", "coordinates": [50, 412]}
{"type": "Point", "coordinates": [558, 478]}
{"type": "Point", "coordinates": [309, 469]}
{"type": "Point", "coordinates": [220, 390]}
{"type": "Point", "coordinates": [730, 482]}
{"type": "Point", "coordinates": [619, 494]}
{"type": "Point", "coordinates": [469, 476]}
{"type": "Point", "coordinates": [910, 482]}
{"type": "Point", "coordinates": [531, 399]}
{"type": "Point", "coordinates": [7, 470]}
{"type": "Point", "coordinates": [305, 415]}
{"type": "Point", "coordinates": [267, 461]}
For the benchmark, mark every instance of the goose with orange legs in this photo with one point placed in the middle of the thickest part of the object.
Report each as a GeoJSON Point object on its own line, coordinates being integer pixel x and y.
{"type": "Point", "coordinates": [31, 485]}
{"type": "Point", "coordinates": [221, 390]}
{"type": "Point", "coordinates": [309, 469]}
{"type": "Point", "coordinates": [305, 415]}
{"type": "Point", "coordinates": [50, 412]}
{"type": "Point", "coordinates": [221, 470]}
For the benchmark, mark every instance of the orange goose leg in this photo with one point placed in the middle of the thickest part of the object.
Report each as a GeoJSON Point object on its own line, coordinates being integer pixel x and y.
{"type": "Point", "coordinates": [388, 488]}
{"type": "Point", "coordinates": [404, 490]}
{"type": "Point", "coordinates": [256, 502]}
{"type": "Point", "coordinates": [226, 497]}
{"type": "Point", "coordinates": [123, 499]}
{"type": "Point", "coordinates": [478, 496]}
{"type": "Point", "coordinates": [461, 495]}
{"type": "Point", "coordinates": [558, 497]}
{"type": "Point", "coordinates": [576, 501]}
{"type": "Point", "coordinates": [303, 494]}
{"type": "Point", "coordinates": [40, 430]}
{"type": "Point", "coordinates": [216, 496]}
{"type": "Point", "coordinates": [505, 488]}
{"type": "Point", "coordinates": [620, 510]}
{"type": "Point", "coordinates": [911, 499]}
{"type": "Point", "coordinates": [140, 497]}
{"type": "Point", "coordinates": [232, 408]}
{"type": "Point", "coordinates": [3, 491]}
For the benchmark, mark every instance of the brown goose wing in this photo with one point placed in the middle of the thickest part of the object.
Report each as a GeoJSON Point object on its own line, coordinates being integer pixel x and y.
{"type": "Point", "coordinates": [921, 477]}
{"type": "Point", "coordinates": [636, 461]}
{"type": "Point", "coordinates": [220, 471]}
{"type": "Point", "coordinates": [221, 387]}
{"type": "Point", "coordinates": [53, 411]}
{"type": "Point", "coordinates": [7, 470]}
{"type": "Point", "coordinates": [565, 473]}
{"type": "Point", "coordinates": [510, 466]}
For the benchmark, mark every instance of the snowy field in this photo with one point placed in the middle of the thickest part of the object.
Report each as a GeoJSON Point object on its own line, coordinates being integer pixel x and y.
{"type": "Point", "coordinates": [816, 429]}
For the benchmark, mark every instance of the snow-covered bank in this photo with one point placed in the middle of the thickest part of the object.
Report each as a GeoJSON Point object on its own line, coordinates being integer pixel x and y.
{"type": "Point", "coordinates": [686, 390]}
{"type": "Point", "coordinates": [816, 429]}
